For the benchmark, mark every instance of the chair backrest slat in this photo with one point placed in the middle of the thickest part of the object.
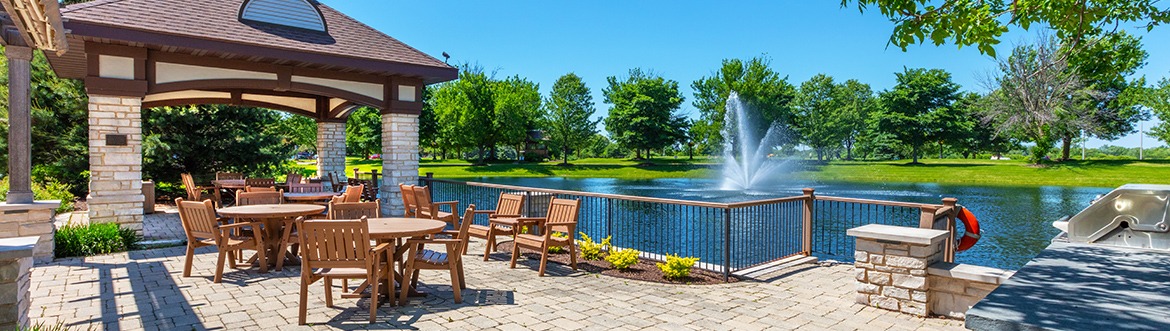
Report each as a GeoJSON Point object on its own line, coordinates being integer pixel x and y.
{"type": "Point", "coordinates": [354, 210]}
{"type": "Point", "coordinates": [306, 188]}
{"type": "Point", "coordinates": [353, 193]}
{"type": "Point", "coordinates": [408, 198]}
{"type": "Point", "coordinates": [189, 185]}
{"type": "Point", "coordinates": [422, 199]}
{"type": "Point", "coordinates": [510, 204]}
{"type": "Point", "coordinates": [294, 178]}
{"type": "Point", "coordinates": [259, 198]}
{"type": "Point", "coordinates": [562, 215]}
{"type": "Point", "coordinates": [259, 189]}
{"type": "Point", "coordinates": [334, 244]}
{"type": "Point", "coordinates": [260, 182]}
{"type": "Point", "coordinates": [198, 219]}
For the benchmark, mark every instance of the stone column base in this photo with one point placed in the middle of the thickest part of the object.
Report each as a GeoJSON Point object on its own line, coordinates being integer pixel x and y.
{"type": "Point", "coordinates": [126, 211]}
{"type": "Point", "coordinates": [15, 261]}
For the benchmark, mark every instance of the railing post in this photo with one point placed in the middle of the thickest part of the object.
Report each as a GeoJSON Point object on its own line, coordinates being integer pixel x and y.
{"type": "Point", "coordinates": [806, 233]}
{"type": "Point", "coordinates": [430, 181]}
{"type": "Point", "coordinates": [949, 253]}
{"type": "Point", "coordinates": [926, 217]}
{"type": "Point", "coordinates": [608, 217]}
{"type": "Point", "coordinates": [726, 244]}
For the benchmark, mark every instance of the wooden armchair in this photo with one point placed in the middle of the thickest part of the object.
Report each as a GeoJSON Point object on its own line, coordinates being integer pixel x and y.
{"type": "Point", "coordinates": [408, 202]}
{"type": "Point", "coordinates": [306, 188]}
{"type": "Point", "coordinates": [353, 193]}
{"type": "Point", "coordinates": [428, 209]}
{"type": "Point", "coordinates": [420, 258]}
{"type": "Point", "coordinates": [354, 210]}
{"type": "Point", "coordinates": [562, 217]}
{"type": "Point", "coordinates": [341, 249]}
{"type": "Point", "coordinates": [196, 192]}
{"type": "Point", "coordinates": [259, 198]}
{"type": "Point", "coordinates": [335, 182]}
{"type": "Point", "coordinates": [501, 221]}
{"type": "Point", "coordinates": [294, 178]}
{"type": "Point", "coordinates": [228, 175]}
{"type": "Point", "coordinates": [203, 228]}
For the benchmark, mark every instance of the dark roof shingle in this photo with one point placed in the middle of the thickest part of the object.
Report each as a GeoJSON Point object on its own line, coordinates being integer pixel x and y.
{"type": "Point", "coordinates": [218, 20]}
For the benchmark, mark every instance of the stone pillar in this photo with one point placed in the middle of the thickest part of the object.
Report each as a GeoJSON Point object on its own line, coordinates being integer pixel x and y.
{"type": "Point", "coordinates": [19, 125]}
{"type": "Point", "coordinates": [891, 264]}
{"type": "Point", "coordinates": [331, 149]}
{"type": "Point", "coordinates": [115, 160]}
{"type": "Point", "coordinates": [15, 262]}
{"type": "Point", "coordinates": [399, 159]}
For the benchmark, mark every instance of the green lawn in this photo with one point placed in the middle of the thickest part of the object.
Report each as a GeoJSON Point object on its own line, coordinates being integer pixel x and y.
{"type": "Point", "coordinates": [1109, 173]}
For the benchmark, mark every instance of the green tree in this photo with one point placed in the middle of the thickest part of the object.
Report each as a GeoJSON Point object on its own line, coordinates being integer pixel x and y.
{"type": "Point", "coordinates": [1101, 112]}
{"type": "Point", "coordinates": [1157, 99]}
{"type": "Point", "coordinates": [428, 125]}
{"type": "Point", "coordinates": [644, 114]}
{"type": "Point", "coordinates": [1077, 24]}
{"type": "Point", "coordinates": [363, 132]}
{"type": "Point", "coordinates": [767, 94]}
{"type": "Point", "coordinates": [911, 109]}
{"type": "Point", "coordinates": [569, 108]}
{"type": "Point", "coordinates": [517, 111]}
{"type": "Point", "coordinates": [298, 131]}
{"type": "Point", "coordinates": [819, 117]}
{"type": "Point", "coordinates": [208, 138]}
{"type": "Point", "coordinates": [466, 110]}
{"type": "Point", "coordinates": [857, 104]}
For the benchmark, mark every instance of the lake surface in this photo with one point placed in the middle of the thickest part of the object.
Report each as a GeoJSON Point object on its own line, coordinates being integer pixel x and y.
{"type": "Point", "coordinates": [1016, 221]}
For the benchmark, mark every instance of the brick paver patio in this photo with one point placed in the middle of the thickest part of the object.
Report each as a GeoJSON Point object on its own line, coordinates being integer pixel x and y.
{"type": "Point", "coordinates": [145, 290]}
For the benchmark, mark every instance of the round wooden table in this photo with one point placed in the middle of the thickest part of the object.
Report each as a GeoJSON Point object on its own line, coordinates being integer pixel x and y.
{"type": "Point", "coordinates": [309, 196]}
{"type": "Point", "coordinates": [389, 229]}
{"type": "Point", "coordinates": [274, 217]}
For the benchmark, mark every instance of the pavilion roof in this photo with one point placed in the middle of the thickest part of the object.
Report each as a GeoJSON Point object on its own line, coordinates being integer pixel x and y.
{"type": "Point", "coordinates": [213, 27]}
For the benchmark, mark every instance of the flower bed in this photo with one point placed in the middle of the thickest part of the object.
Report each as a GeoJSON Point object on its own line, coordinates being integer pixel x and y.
{"type": "Point", "coordinates": [644, 270]}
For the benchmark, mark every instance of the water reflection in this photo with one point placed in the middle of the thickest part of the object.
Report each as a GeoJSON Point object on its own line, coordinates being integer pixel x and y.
{"type": "Point", "coordinates": [1016, 221]}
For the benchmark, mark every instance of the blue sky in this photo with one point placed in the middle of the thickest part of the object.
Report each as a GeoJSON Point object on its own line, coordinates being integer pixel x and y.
{"type": "Point", "coordinates": [683, 40]}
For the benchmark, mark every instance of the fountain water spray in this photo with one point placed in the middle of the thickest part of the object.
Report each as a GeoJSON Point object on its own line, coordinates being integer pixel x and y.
{"type": "Point", "coordinates": [751, 166]}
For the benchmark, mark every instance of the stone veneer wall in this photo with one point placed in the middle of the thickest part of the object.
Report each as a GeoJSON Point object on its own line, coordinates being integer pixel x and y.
{"type": "Point", "coordinates": [955, 288]}
{"type": "Point", "coordinates": [892, 275]}
{"type": "Point", "coordinates": [331, 149]}
{"type": "Point", "coordinates": [115, 184]}
{"type": "Point", "coordinates": [399, 159]}
{"type": "Point", "coordinates": [901, 269]}
{"type": "Point", "coordinates": [30, 220]}
{"type": "Point", "coordinates": [15, 262]}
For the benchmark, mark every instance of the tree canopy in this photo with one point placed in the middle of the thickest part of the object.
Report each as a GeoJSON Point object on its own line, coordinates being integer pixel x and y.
{"type": "Point", "coordinates": [910, 111]}
{"type": "Point", "coordinates": [569, 109]}
{"type": "Point", "coordinates": [768, 96]}
{"type": "Point", "coordinates": [644, 113]}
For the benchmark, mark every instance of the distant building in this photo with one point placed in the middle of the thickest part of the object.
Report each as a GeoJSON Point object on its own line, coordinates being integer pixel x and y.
{"type": "Point", "coordinates": [535, 146]}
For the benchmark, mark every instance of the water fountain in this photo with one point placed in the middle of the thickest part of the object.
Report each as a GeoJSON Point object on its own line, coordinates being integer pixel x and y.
{"type": "Point", "coordinates": [749, 167]}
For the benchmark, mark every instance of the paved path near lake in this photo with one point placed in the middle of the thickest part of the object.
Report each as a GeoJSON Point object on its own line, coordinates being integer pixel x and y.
{"type": "Point", "coordinates": [144, 290]}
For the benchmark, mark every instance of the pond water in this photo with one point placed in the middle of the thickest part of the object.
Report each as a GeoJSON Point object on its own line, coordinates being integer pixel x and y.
{"type": "Point", "coordinates": [1016, 221]}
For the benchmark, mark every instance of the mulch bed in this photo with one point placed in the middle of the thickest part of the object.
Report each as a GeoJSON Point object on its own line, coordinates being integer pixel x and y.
{"type": "Point", "coordinates": [645, 270]}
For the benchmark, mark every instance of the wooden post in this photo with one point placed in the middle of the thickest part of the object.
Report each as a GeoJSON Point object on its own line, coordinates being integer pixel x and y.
{"type": "Point", "coordinates": [949, 251]}
{"type": "Point", "coordinates": [926, 217]}
{"type": "Point", "coordinates": [19, 125]}
{"type": "Point", "coordinates": [806, 233]}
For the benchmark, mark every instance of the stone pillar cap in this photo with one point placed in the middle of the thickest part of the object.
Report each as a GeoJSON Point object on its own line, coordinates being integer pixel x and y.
{"type": "Point", "coordinates": [916, 236]}
{"type": "Point", "coordinates": [19, 247]}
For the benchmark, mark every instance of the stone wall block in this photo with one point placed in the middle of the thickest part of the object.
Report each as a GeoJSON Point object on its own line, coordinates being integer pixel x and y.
{"type": "Point", "coordinates": [909, 281]}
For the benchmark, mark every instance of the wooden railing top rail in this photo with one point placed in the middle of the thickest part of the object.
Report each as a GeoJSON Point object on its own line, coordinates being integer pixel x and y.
{"type": "Point", "coordinates": [879, 202]}
{"type": "Point", "coordinates": [718, 205]}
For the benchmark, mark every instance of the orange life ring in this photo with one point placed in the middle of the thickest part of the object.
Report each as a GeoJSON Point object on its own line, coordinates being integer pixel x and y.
{"type": "Point", "coordinates": [972, 234]}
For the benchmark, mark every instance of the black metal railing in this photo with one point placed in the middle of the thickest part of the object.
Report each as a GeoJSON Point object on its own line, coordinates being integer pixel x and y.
{"type": "Point", "coordinates": [726, 237]}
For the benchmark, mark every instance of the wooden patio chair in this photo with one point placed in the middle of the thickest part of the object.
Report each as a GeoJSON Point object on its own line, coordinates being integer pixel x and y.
{"type": "Point", "coordinates": [259, 198]}
{"type": "Point", "coordinates": [259, 189]}
{"type": "Point", "coordinates": [353, 193]}
{"type": "Point", "coordinates": [407, 200]}
{"type": "Point", "coordinates": [203, 228]}
{"type": "Point", "coordinates": [341, 249]}
{"type": "Point", "coordinates": [339, 210]}
{"type": "Point", "coordinates": [335, 182]}
{"type": "Point", "coordinates": [196, 192]}
{"type": "Point", "coordinates": [428, 209]}
{"type": "Point", "coordinates": [294, 177]}
{"type": "Point", "coordinates": [501, 221]}
{"type": "Point", "coordinates": [260, 182]}
{"type": "Point", "coordinates": [228, 175]}
{"type": "Point", "coordinates": [306, 188]}
{"type": "Point", "coordinates": [420, 258]}
{"type": "Point", "coordinates": [562, 217]}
